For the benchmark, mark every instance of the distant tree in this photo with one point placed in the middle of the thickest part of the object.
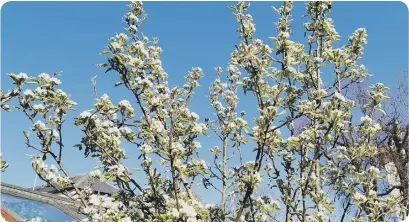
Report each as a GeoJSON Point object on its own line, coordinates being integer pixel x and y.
{"type": "Point", "coordinates": [392, 141]}
{"type": "Point", "coordinates": [308, 146]}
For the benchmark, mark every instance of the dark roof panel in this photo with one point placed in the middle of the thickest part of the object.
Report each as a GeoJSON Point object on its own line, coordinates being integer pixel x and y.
{"type": "Point", "coordinates": [83, 181]}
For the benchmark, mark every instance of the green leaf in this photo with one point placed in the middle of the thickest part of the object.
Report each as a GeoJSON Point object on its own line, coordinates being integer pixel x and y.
{"type": "Point", "coordinates": [6, 107]}
{"type": "Point", "coordinates": [232, 7]}
{"type": "Point", "coordinates": [26, 134]}
{"type": "Point", "coordinates": [245, 130]}
{"type": "Point", "coordinates": [114, 45]}
{"type": "Point", "coordinates": [329, 207]}
{"type": "Point", "coordinates": [105, 52]}
{"type": "Point", "coordinates": [276, 10]}
{"type": "Point", "coordinates": [3, 165]}
{"type": "Point", "coordinates": [313, 195]}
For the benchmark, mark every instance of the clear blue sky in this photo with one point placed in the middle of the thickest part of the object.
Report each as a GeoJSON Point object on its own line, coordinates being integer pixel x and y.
{"type": "Point", "coordinates": [41, 37]}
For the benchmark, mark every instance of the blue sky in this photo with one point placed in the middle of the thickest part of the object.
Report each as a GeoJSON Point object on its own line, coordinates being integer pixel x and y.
{"type": "Point", "coordinates": [41, 37]}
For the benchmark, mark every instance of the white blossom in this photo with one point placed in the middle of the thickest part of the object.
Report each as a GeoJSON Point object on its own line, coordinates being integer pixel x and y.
{"type": "Point", "coordinates": [196, 144]}
{"type": "Point", "coordinates": [145, 148]}
{"type": "Point", "coordinates": [359, 197]}
{"type": "Point", "coordinates": [44, 76]}
{"type": "Point", "coordinates": [85, 114]}
{"type": "Point", "coordinates": [55, 80]}
{"type": "Point", "coordinates": [96, 174]}
{"type": "Point", "coordinates": [194, 116]}
{"type": "Point", "coordinates": [157, 126]}
{"type": "Point", "coordinates": [38, 107]}
{"type": "Point", "coordinates": [40, 91]}
{"type": "Point", "coordinates": [28, 93]}
{"type": "Point", "coordinates": [39, 125]}
{"type": "Point", "coordinates": [22, 75]}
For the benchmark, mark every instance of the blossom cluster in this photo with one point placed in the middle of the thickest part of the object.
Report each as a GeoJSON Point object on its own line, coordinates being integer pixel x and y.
{"type": "Point", "coordinates": [305, 144]}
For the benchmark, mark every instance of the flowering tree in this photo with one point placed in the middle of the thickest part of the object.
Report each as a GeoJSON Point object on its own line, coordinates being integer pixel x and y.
{"type": "Point", "coordinates": [392, 141]}
{"type": "Point", "coordinates": [304, 168]}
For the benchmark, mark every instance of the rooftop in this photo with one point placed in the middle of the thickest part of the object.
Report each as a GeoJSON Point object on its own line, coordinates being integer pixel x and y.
{"type": "Point", "coordinates": [82, 181]}
{"type": "Point", "coordinates": [18, 203]}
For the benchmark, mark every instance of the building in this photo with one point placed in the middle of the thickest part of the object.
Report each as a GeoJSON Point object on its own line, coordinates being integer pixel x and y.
{"type": "Point", "coordinates": [18, 203]}
{"type": "Point", "coordinates": [82, 181]}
